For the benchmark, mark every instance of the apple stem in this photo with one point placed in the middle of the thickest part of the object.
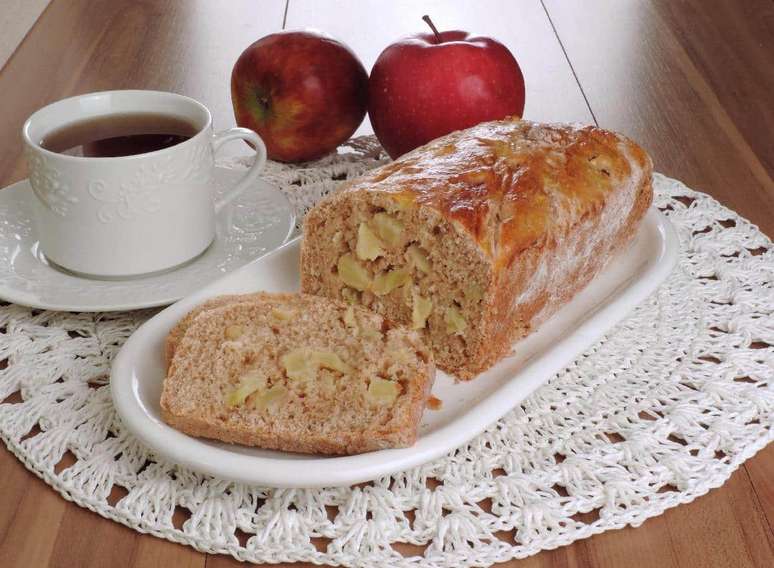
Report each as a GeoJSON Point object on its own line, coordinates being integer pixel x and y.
{"type": "Point", "coordinates": [429, 22]}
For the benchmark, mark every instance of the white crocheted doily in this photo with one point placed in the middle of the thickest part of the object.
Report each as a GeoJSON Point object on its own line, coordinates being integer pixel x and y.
{"type": "Point", "coordinates": [661, 410]}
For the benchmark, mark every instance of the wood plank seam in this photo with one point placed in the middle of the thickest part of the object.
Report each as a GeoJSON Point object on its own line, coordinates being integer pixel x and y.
{"type": "Point", "coordinates": [285, 14]}
{"type": "Point", "coordinates": [759, 503]}
{"type": "Point", "coordinates": [569, 62]}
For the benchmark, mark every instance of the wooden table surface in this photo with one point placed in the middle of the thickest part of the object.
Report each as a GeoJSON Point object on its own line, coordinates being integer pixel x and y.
{"type": "Point", "coordinates": [693, 81]}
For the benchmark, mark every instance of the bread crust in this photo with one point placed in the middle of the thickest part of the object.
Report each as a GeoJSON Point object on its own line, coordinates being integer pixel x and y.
{"type": "Point", "coordinates": [545, 207]}
{"type": "Point", "coordinates": [342, 443]}
{"type": "Point", "coordinates": [523, 319]}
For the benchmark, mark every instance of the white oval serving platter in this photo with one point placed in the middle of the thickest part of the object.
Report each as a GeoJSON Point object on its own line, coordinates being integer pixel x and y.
{"type": "Point", "coordinates": [467, 409]}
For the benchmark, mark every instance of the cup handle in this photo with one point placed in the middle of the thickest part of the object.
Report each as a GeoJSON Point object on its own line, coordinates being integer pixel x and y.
{"type": "Point", "coordinates": [220, 138]}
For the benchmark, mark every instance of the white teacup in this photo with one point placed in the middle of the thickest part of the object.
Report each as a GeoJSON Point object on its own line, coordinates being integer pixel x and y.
{"type": "Point", "coordinates": [130, 215]}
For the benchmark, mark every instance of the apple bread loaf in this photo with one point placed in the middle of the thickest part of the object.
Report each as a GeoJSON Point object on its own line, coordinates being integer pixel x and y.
{"type": "Point", "coordinates": [479, 236]}
{"type": "Point", "coordinates": [297, 373]}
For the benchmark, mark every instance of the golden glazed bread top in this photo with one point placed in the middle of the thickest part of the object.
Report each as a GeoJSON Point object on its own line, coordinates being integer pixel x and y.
{"type": "Point", "coordinates": [512, 184]}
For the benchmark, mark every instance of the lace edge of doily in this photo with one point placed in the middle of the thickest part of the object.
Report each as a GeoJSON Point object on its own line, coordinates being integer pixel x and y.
{"type": "Point", "coordinates": [665, 502]}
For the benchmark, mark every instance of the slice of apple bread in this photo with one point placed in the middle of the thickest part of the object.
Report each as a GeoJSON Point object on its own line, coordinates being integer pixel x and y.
{"type": "Point", "coordinates": [298, 373]}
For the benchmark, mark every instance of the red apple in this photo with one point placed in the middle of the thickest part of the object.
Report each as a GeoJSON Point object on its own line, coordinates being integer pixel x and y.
{"type": "Point", "coordinates": [303, 92]}
{"type": "Point", "coordinates": [427, 85]}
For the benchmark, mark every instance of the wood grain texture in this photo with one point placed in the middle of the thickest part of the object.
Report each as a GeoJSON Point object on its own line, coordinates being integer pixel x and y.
{"type": "Point", "coordinates": [16, 19]}
{"type": "Point", "coordinates": [692, 83]}
{"type": "Point", "coordinates": [731, 45]}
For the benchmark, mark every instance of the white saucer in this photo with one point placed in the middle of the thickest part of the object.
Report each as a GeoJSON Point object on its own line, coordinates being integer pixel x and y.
{"type": "Point", "coordinates": [257, 222]}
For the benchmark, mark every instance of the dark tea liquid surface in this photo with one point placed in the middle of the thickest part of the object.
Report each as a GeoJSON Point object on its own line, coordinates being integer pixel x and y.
{"type": "Point", "coordinates": [119, 135]}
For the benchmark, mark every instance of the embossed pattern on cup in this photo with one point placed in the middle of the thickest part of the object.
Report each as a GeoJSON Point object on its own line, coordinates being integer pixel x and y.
{"type": "Point", "coordinates": [48, 185]}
